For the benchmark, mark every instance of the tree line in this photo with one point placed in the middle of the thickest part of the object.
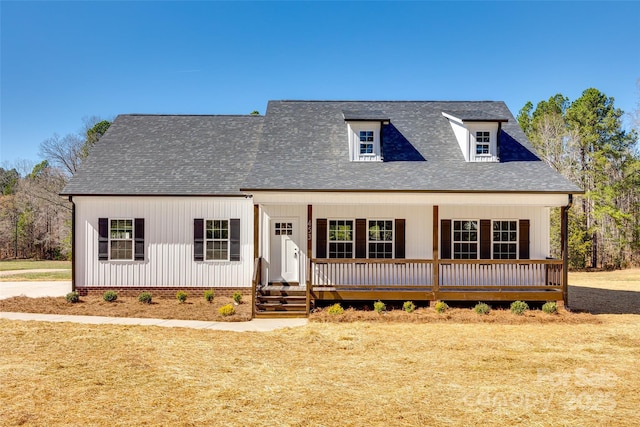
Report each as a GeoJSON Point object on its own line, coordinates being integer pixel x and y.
{"type": "Point", "coordinates": [584, 140]}
{"type": "Point", "coordinates": [35, 221]}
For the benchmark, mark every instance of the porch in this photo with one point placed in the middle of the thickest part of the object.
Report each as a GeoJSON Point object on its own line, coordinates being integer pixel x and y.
{"type": "Point", "coordinates": [423, 280]}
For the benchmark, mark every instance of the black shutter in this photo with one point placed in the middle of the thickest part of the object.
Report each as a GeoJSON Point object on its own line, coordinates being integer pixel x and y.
{"type": "Point", "coordinates": [399, 238]}
{"type": "Point", "coordinates": [103, 239]}
{"type": "Point", "coordinates": [138, 253]}
{"type": "Point", "coordinates": [234, 239]}
{"type": "Point", "coordinates": [445, 239]}
{"type": "Point", "coordinates": [523, 232]}
{"type": "Point", "coordinates": [198, 239]}
{"type": "Point", "coordinates": [485, 239]}
{"type": "Point", "coordinates": [321, 238]}
{"type": "Point", "coordinates": [361, 238]}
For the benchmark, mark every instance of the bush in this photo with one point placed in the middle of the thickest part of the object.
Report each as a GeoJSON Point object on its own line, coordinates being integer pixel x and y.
{"type": "Point", "coordinates": [181, 296]}
{"type": "Point", "coordinates": [227, 310]}
{"type": "Point", "coordinates": [482, 308]}
{"type": "Point", "coordinates": [237, 297]}
{"type": "Point", "coordinates": [379, 307]}
{"type": "Point", "coordinates": [409, 306]}
{"type": "Point", "coordinates": [208, 295]}
{"type": "Point", "coordinates": [550, 307]}
{"type": "Point", "coordinates": [110, 296]}
{"type": "Point", "coordinates": [335, 309]}
{"type": "Point", "coordinates": [441, 307]}
{"type": "Point", "coordinates": [145, 298]}
{"type": "Point", "coordinates": [519, 307]}
{"type": "Point", "coordinates": [72, 297]}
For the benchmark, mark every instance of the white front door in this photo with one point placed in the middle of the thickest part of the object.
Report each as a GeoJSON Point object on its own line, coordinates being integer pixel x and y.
{"type": "Point", "coordinates": [285, 254]}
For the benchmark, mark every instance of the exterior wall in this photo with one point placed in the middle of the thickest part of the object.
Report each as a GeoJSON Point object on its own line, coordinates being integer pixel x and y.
{"type": "Point", "coordinates": [538, 216]}
{"type": "Point", "coordinates": [492, 128]}
{"type": "Point", "coordinates": [169, 248]}
{"type": "Point", "coordinates": [354, 141]}
{"type": "Point", "coordinates": [419, 223]}
{"type": "Point", "coordinates": [462, 136]}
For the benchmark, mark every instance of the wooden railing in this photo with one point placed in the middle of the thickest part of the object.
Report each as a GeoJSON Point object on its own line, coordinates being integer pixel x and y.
{"type": "Point", "coordinates": [390, 273]}
{"type": "Point", "coordinates": [500, 273]}
{"type": "Point", "coordinates": [414, 273]}
{"type": "Point", "coordinates": [256, 281]}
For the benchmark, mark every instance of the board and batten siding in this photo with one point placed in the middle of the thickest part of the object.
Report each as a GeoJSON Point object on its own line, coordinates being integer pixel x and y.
{"type": "Point", "coordinates": [169, 249]}
{"type": "Point", "coordinates": [539, 246]}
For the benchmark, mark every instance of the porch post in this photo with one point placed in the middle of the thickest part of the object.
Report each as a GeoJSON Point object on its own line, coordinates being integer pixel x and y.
{"type": "Point", "coordinates": [564, 240]}
{"type": "Point", "coordinates": [309, 245]}
{"type": "Point", "coordinates": [436, 255]}
{"type": "Point", "coordinates": [256, 259]}
{"type": "Point", "coordinates": [256, 231]}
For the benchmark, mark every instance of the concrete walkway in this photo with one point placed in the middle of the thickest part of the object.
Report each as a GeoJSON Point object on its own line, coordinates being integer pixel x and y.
{"type": "Point", "coordinates": [255, 325]}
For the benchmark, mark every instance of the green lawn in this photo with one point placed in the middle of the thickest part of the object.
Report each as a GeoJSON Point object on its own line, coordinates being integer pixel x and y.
{"type": "Point", "coordinates": [36, 277]}
{"type": "Point", "coordinates": [32, 265]}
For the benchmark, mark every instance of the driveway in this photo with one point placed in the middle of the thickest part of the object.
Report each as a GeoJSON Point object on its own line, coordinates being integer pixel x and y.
{"type": "Point", "coordinates": [34, 289]}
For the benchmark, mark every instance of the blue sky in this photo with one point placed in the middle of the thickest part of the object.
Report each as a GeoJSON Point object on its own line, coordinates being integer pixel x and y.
{"type": "Point", "coordinates": [62, 61]}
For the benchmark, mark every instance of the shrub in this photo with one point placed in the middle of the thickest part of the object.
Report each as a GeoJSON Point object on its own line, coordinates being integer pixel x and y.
{"type": "Point", "coordinates": [181, 296]}
{"type": "Point", "coordinates": [519, 307]}
{"type": "Point", "coordinates": [482, 308]}
{"type": "Point", "coordinates": [409, 306]}
{"type": "Point", "coordinates": [335, 309]}
{"type": "Point", "coordinates": [550, 307]}
{"type": "Point", "coordinates": [441, 307]}
{"type": "Point", "coordinates": [110, 296]}
{"type": "Point", "coordinates": [72, 297]}
{"type": "Point", "coordinates": [379, 306]}
{"type": "Point", "coordinates": [227, 310]}
{"type": "Point", "coordinates": [237, 297]}
{"type": "Point", "coordinates": [208, 295]}
{"type": "Point", "coordinates": [145, 298]}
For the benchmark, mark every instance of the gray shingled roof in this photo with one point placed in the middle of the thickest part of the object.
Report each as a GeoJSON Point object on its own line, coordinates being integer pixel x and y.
{"type": "Point", "coordinates": [303, 145]}
{"type": "Point", "coordinates": [161, 154]}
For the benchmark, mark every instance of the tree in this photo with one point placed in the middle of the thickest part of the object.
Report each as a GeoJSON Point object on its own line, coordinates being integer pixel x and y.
{"type": "Point", "coordinates": [584, 140]}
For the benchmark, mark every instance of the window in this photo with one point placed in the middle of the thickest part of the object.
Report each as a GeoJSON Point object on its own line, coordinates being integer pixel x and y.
{"type": "Point", "coordinates": [217, 239]}
{"type": "Point", "coordinates": [465, 239]}
{"type": "Point", "coordinates": [121, 239]}
{"type": "Point", "coordinates": [505, 238]}
{"type": "Point", "coordinates": [380, 239]}
{"type": "Point", "coordinates": [283, 228]}
{"type": "Point", "coordinates": [340, 239]}
{"type": "Point", "coordinates": [366, 142]}
{"type": "Point", "coordinates": [482, 143]}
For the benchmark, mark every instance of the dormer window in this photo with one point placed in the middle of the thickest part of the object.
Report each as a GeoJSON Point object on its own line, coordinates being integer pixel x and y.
{"type": "Point", "coordinates": [477, 134]}
{"type": "Point", "coordinates": [364, 131]}
{"type": "Point", "coordinates": [366, 142]}
{"type": "Point", "coordinates": [482, 143]}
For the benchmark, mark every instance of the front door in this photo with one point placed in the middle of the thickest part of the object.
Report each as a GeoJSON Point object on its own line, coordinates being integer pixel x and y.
{"type": "Point", "coordinates": [285, 255]}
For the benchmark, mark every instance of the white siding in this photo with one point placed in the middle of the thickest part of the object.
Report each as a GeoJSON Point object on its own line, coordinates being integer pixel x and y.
{"type": "Point", "coordinates": [354, 129]}
{"type": "Point", "coordinates": [538, 217]}
{"type": "Point", "coordinates": [168, 242]}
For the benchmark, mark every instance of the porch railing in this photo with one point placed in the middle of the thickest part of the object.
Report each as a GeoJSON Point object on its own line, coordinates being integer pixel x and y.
{"type": "Point", "coordinates": [392, 273]}
{"type": "Point", "coordinates": [415, 273]}
{"type": "Point", "coordinates": [500, 273]}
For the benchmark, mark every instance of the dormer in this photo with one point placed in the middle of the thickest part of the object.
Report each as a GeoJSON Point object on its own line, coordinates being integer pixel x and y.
{"type": "Point", "coordinates": [364, 129]}
{"type": "Point", "coordinates": [477, 134]}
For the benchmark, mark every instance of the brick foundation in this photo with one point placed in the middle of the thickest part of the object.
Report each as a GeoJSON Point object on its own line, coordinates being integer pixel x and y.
{"type": "Point", "coordinates": [158, 292]}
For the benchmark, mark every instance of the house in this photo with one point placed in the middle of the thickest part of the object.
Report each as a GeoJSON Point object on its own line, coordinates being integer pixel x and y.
{"type": "Point", "coordinates": [321, 200]}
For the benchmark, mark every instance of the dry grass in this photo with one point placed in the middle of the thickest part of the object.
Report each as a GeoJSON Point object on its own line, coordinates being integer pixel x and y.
{"type": "Point", "coordinates": [323, 375]}
{"type": "Point", "coordinates": [195, 308]}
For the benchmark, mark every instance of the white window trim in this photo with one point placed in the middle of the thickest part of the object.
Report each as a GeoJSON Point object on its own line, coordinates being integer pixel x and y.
{"type": "Point", "coordinates": [392, 241]}
{"type": "Point", "coordinates": [453, 241]}
{"type": "Point", "coordinates": [352, 241]}
{"type": "Point", "coordinates": [228, 240]}
{"type": "Point", "coordinates": [517, 241]}
{"type": "Point", "coordinates": [132, 239]}
{"type": "Point", "coordinates": [488, 144]}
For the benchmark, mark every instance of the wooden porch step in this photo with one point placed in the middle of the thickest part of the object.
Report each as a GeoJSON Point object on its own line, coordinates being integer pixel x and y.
{"type": "Point", "coordinates": [283, 299]}
{"type": "Point", "coordinates": [282, 293]}
{"type": "Point", "coordinates": [280, 314]}
{"type": "Point", "coordinates": [281, 307]}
